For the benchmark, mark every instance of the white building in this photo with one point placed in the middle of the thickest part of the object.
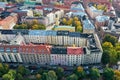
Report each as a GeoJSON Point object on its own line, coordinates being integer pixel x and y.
{"type": "Point", "coordinates": [86, 49]}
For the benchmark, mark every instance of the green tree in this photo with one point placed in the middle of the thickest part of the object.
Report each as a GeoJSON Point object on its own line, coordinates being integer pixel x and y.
{"type": "Point", "coordinates": [105, 57]}
{"type": "Point", "coordinates": [113, 56]}
{"type": "Point", "coordinates": [118, 56]}
{"type": "Point", "coordinates": [72, 77]}
{"type": "Point", "coordinates": [59, 72]}
{"type": "Point", "coordinates": [6, 77]}
{"type": "Point", "coordinates": [10, 75]}
{"type": "Point", "coordinates": [94, 74]}
{"type": "Point", "coordinates": [108, 74]}
{"type": "Point", "coordinates": [40, 71]}
{"type": "Point", "coordinates": [80, 72]}
{"type": "Point", "coordinates": [4, 68]}
{"type": "Point", "coordinates": [52, 75]}
{"type": "Point", "coordinates": [19, 76]}
{"type": "Point", "coordinates": [45, 76]}
{"type": "Point", "coordinates": [110, 38]}
{"type": "Point", "coordinates": [21, 69]}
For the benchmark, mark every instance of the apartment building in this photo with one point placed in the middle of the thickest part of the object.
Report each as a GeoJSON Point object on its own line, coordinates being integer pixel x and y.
{"type": "Point", "coordinates": [8, 21]}
{"type": "Point", "coordinates": [50, 47]}
{"type": "Point", "coordinates": [101, 20]}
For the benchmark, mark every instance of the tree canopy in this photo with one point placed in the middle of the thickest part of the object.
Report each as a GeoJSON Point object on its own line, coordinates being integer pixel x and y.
{"type": "Point", "coordinates": [108, 74]}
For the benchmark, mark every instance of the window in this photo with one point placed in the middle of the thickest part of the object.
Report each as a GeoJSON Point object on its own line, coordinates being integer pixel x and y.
{"type": "Point", "coordinates": [7, 49]}
{"type": "Point", "coordinates": [14, 50]}
{"type": "Point", "coordinates": [1, 49]}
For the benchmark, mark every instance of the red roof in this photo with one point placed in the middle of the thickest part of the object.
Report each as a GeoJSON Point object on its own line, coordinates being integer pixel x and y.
{"type": "Point", "coordinates": [37, 49]}
{"type": "Point", "coordinates": [38, 7]}
{"type": "Point", "coordinates": [75, 50]}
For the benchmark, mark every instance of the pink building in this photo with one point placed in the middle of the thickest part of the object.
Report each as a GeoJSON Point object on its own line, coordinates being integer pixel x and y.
{"type": "Point", "coordinates": [8, 22]}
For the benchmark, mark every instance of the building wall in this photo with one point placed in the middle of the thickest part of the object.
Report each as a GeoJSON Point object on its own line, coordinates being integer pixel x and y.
{"type": "Point", "coordinates": [40, 55]}
{"type": "Point", "coordinates": [56, 40]}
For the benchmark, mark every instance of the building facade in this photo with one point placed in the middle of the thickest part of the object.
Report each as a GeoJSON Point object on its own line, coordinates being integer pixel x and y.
{"type": "Point", "coordinates": [50, 47]}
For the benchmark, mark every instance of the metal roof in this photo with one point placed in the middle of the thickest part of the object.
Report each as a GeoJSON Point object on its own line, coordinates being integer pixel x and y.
{"type": "Point", "coordinates": [102, 18]}
{"type": "Point", "coordinates": [87, 24]}
{"type": "Point", "coordinates": [37, 32]}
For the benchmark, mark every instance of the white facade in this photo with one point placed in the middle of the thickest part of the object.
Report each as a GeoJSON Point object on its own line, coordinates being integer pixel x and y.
{"type": "Point", "coordinates": [10, 57]}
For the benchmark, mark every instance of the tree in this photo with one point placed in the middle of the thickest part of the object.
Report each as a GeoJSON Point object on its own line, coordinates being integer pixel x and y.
{"type": "Point", "coordinates": [80, 72]}
{"type": "Point", "coordinates": [38, 77]}
{"type": "Point", "coordinates": [40, 71]}
{"type": "Point", "coordinates": [19, 76]}
{"type": "Point", "coordinates": [10, 75]}
{"type": "Point", "coordinates": [64, 21]}
{"type": "Point", "coordinates": [59, 72]}
{"type": "Point", "coordinates": [72, 77]}
{"type": "Point", "coordinates": [35, 21]}
{"type": "Point", "coordinates": [35, 27]}
{"type": "Point", "coordinates": [94, 74]}
{"type": "Point", "coordinates": [21, 69]}
{"type": "Point", "coordinates": [105, 57]}
{"type": "Point", "coordinates": [6, 77]}
{"type": "Point", "coordinates": [116, 75]}
{"type": "Point", "coordinates": [69, 22]}
{"type": "Point", "coordinates": [78, 23]}
{"type": "Point", "coordinates": [110, 38]}
{"type": "Point", "coordinates": [108, 74]}
{"type": "Point", "coordinates": [45, 76]}
{"type": "Point", "coordinates": [118, 56]}
{"type": "Point", "coordinates": [79, 29]}
{"type": "Point", "coordinates": [4, 68]}
{"type": "Point", "coordinates": [52, 75]}
{"type": "Point", "coordinates": [75, 19]}
{"type": "Point", "coordinates": [113, 56]}
{"type": "Point", "coordinates": [107, 45]}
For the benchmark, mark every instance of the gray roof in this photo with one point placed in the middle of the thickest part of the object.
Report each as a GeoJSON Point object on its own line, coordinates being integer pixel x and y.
{"type": "Point", "coordinates": [44, 33]}
{"type": "Point", "coordinates": [87, 24]}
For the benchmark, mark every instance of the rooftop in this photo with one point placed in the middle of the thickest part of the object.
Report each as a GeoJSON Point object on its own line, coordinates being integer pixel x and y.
{"type": "Point", "coordinates": [44, 33]}
{"type": "Point", "coordinates": [102, 18]}
{"type": "Point", "coordinates": [93, 9]}
{"type": "Point", "coordinates": [87, 24]}
{"type": "Point", "coordinates": [77, 7]}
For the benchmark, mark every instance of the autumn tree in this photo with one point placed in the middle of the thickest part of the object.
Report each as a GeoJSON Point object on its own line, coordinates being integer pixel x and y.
{"type": "Point", "coordinates": [80, 72]}
{"type": "Point", "coordinates": [38, 77]}
{"type": "Point", "coordinates": [116, 75]}
{"type": "Point", "coordinates": [75, 19]}
{"type": "Point", "coordinates": [64, 21]}
{"type": "Point", "coordinates": [107, 45]}
{"type": "Point", "coordinates": [110, 38]}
